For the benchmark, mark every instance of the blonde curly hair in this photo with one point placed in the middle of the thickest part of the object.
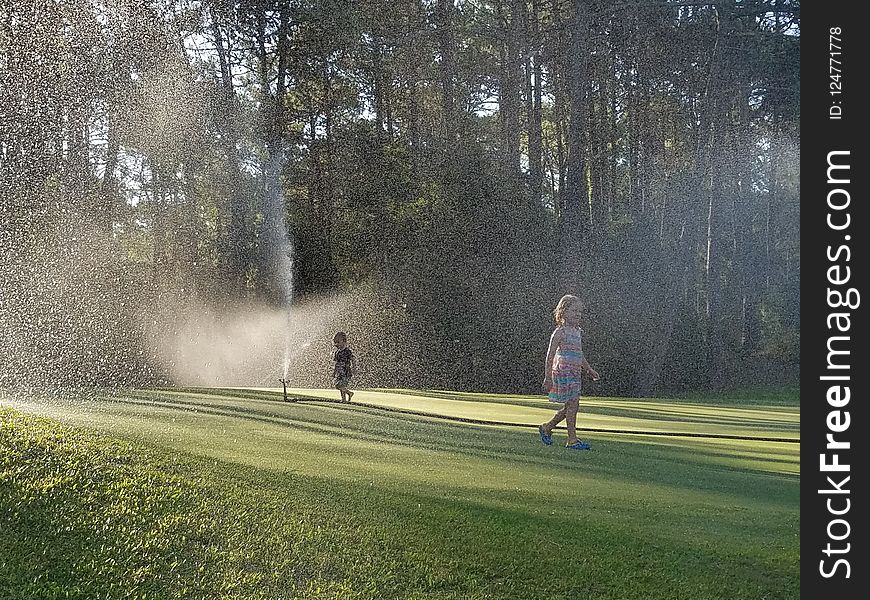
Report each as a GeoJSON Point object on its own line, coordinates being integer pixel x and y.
{"type": "Point", "coordinates": [565, 302]}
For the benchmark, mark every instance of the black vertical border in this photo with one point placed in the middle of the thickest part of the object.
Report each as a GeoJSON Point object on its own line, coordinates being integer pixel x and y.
{"type": "Point", "coordinates": [820, 135]}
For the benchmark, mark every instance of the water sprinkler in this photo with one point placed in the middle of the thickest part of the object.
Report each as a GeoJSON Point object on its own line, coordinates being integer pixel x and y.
{"type": "Point", "coordinates": [284, 383]}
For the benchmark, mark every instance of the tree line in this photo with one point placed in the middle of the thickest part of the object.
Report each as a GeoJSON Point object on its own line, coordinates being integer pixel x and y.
{"type": "Point", "coordinates": [463, 162]}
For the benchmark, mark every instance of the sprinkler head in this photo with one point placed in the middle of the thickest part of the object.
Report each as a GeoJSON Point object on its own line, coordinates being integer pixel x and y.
{"type": "Point", "coordinates": [284, 383]}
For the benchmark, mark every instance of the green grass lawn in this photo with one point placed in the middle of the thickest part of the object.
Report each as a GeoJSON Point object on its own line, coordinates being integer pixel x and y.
{"type": "Point", "coordinates": [234, 494]}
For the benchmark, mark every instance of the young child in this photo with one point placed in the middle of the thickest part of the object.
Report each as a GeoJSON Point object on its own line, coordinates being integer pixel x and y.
{"type": "Point", "coordinates": [564, 369]}
{"type": "Point", "coordinates": [345, 365]}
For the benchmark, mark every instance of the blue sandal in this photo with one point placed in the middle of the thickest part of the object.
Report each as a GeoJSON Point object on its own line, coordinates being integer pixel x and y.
{"type": "Point", "coordinates": [547, 438]}
{"type": "Point", "coordinates": [578, 445]}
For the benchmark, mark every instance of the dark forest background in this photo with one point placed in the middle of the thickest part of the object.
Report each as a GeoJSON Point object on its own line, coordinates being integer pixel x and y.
{"type": "Point", "coordinates": [453, 166]}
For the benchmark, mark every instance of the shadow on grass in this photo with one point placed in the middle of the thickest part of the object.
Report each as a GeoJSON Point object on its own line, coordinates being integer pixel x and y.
{"type": "Point", "coordinates": [647, 414]}
{"type": "Point", "coordinates": [287, 531]}
{"type": "Point", "coordinates": [630, 459]}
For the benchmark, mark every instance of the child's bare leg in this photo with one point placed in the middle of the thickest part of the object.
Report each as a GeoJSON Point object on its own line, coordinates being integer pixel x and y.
{"type": "Point", "coordinates": [550, 425]}
{"type": "Point", "coordinates": [571, 408]}
{"type": "Point", "coordinates": [349, 395]}
{"type": "Point", "coordinates": [343, 394]}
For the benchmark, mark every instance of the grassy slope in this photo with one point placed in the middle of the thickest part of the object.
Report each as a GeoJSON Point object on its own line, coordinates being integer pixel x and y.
{"type": "Point", "coordinates": [259, 499]}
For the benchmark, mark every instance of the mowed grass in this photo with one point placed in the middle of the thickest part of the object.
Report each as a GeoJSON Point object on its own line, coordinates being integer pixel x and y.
{"type": "Point", "coordinates": [235, 494]}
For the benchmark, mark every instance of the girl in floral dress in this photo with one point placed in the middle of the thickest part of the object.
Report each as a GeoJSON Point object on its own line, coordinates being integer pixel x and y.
{"type": "Point", "coordinates": [564, 369]}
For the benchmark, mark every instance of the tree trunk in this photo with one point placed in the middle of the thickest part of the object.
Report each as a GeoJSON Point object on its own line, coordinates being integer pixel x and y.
{"type": "Point", "coordinates": [231, 211]}
{"type": "Point", "coordinates": [447, 70]}
{"type": "Point", "coordinates": [650, 373]}
{"type": "Point", "coordinates": [598, 128]}
{"type": "Point", "coordinates": [415, 101]}
{"type": "Point", "coordinates": [613, 131]}
{"type": "Point", "coordinates": [378, 88]}
{"type": "Point", "coordinates": [575, 218]}
{"type": "Point", "coordinates": [509, 93]}
{"type": "Point", "coordinates": [109, 184]}
{"type": "Point", "coordinates": [534, 83]}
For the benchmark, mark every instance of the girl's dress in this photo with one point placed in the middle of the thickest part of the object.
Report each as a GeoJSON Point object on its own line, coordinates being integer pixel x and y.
{"type": "Point", "coordinates": [566, 366]}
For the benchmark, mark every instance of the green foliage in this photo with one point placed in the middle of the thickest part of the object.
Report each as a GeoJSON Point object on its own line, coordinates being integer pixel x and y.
{"type": "Point", "coordinates": [781, 328]}
{"type": "Point", "coordinates": [396, 127]}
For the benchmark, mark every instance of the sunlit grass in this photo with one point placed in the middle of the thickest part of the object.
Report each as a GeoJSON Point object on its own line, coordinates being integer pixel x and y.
{"type": "Point", "coordinates": [624, 414]}
{"type": "Point", "coordinates": [251, 497]}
